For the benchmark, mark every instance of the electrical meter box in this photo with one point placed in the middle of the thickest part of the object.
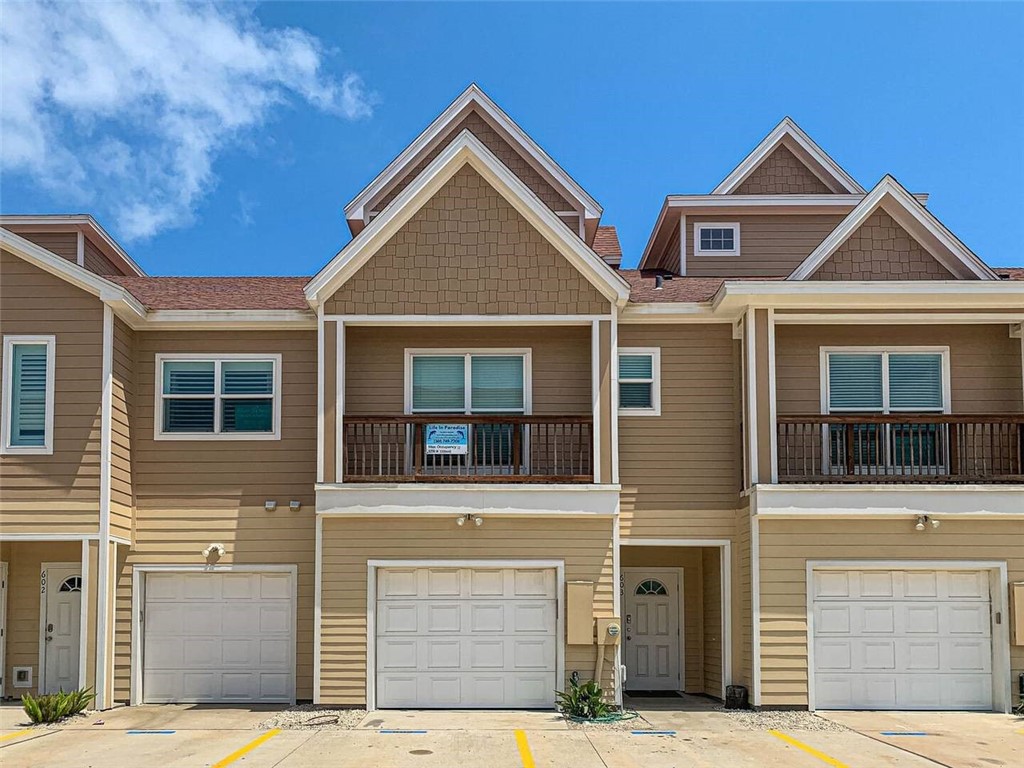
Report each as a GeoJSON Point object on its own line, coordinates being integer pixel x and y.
{"type": "Point", "coordinates": [609, 631]}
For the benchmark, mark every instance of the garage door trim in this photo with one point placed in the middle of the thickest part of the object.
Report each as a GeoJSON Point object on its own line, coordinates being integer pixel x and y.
{"type": "Point", "coordinates": [998, 590]}
{"type": "Point", "coordinates": [139, 600]}
{"type": "Point", "coordinates": [371, 607]}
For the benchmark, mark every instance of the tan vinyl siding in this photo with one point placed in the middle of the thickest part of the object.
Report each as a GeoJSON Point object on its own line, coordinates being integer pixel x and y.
{"type": "Point", "coordinates": [782, 173]}
{"type": "Point", "coordinates": [741, 605]}
{"type": "Point", "coordinates": [96, 262]}
{"type": "Point", "coordinates": [63, 244]}
{"type": "Point", "coordinates": [584, 545]}
{"type": "Point", "coordinates": [191, 493]}
{"type": "Point", "coordinates": [880, 249]}
{"type": "Point", "coordinates": [711, 576]}
{"type": "Point", "coordinates": [375, 364]}
{"type": "Point", "coordinates": [786, 545]}
{"type": "Point", "coordinates": [467, 251]}
{"type": "Point", "coordinates": [499, 145]}
{"type": "Point", "coordinates": [771, 245]}
{"type": "Point", "coordinates": [985, 363]}
{"type": "Point", "coordinates": [122, 499]}
{"type": "Point", "coordinates": [24, 562]}
{"type": "Point", "coordinates": [669, 259]}
{"type": "Point", "coordinates": [58, 492]}
{"type": "Point", "coordinates": [680, 472]}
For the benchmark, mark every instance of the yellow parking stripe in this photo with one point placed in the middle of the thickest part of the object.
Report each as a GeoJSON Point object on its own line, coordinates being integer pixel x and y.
{"type": "Point", "coordinates": [524, 750]}
{"type": "Point", "coordinates": [809, 750]}
{"type": "Point", "coordinates": [15, 735]}
{"type": "Point", "coordinates": [246, 749]}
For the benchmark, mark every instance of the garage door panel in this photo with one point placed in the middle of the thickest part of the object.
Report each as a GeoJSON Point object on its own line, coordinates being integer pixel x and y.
{"type": "Point", "coordinates": [925, 646]}
{"type": "Point", "coordinates": [466, 637]}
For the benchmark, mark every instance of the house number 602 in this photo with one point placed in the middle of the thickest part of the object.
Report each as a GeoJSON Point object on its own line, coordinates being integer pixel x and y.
{"type": "Point", "coordinates": [42, 583]}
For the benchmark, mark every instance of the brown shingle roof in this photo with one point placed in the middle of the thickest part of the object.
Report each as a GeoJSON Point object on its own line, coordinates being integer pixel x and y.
{"type": "Point", "coordinates": [1009, 273]}
{"type": "Point", "coordinates": [606, 245]}
{"type": "Point", "coordinates": [217, 292]}
{"type": "Point", "coordinates": [674, 288]}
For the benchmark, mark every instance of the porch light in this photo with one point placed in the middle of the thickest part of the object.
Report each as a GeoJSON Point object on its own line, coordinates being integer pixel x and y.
{"type": "Point", "coordinates": [218, 548]}
{"type": "Point", "coordinates": [270, 505]}
{"type": "Point", "coordinates": [294, 506]}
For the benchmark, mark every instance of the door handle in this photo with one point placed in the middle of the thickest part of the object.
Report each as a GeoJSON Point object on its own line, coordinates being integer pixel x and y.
{"type": "Point", "coordinates": [49, 638]}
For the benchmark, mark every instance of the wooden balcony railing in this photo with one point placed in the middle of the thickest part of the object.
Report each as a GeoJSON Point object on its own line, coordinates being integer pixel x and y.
{"type": "Point", "coordinates": [499, 449]}
{"type": "Point", "coordinates": [901, 448]}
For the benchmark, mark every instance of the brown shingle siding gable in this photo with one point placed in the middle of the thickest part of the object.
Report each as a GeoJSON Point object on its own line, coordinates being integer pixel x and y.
{"type": "Point", "coordinates": [467, 251]}
{"type": "Point", "coordinates": [881, 249]}
{"type": "Point", "coordinates": [782, 173]}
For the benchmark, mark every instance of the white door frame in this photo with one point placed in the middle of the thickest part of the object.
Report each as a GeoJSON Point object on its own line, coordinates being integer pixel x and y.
{"type": "Point", "coordinates": [3, 636]}
{"type": "Point", "coordinates": [725, 569]}
{"type": "Point", "coordinates": [998, 591]}
{"type": "Point", "coordinates": [139, 600]}
{"type": "Point", "coordinates": [679, 573]}
{"type": "Point", "coordinates": [43, 568]}
{"type": "Point", "coordinates": [371, 608]}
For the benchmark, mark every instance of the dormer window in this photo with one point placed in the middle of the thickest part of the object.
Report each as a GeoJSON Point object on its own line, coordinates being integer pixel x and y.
{"type": "Point", "coordinates": [716, 239]}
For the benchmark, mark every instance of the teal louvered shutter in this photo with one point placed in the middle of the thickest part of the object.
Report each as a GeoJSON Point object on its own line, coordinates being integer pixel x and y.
{"type": "Point", "coordinates": [252, 413]}
{"type": "Point", "coordinates": [636, 381]}
{"type": "Point", "coordinates": [855, 382]}
{"type": "Point", "coordinates": [191, 413]}
{"type": "Point", "coordinates": [915, 382]}
{"type": "Point", "coordinates": [497, 384]}
{"type": "Point", "coordinates": [28, 395]}
{"type": "Point", "coordinates": [439, 383]}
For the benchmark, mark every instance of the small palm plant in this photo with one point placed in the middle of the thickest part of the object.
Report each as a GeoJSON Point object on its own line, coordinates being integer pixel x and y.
{"type": "Point", "coordinates": [54, 707]}
{"type": "Point", "coordinates": [583, 701]}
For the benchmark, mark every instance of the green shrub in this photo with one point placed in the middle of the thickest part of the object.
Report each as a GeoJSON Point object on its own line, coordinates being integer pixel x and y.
{"type": "Point", "coordinates": [52, 707]}
{"type": "Point", "coordinates": [584, 701]}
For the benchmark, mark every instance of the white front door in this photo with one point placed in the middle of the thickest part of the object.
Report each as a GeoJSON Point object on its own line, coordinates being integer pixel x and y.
{"type": "Point", "coordinates": [459, 638]}
{"type": "Point", "coordinates": [902, 639]}
{"type": "Point", "coordinates": [62, 591]}
{"type": "Point", "coordinates": [651, 599]}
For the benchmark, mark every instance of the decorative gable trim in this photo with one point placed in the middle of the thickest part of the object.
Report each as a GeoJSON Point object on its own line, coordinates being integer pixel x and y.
{"type": "Point", "coordinates": [472, 96]}
{"type": "Point", "coordinates": [466, 149]}
{"type": "Point", "coordinates": [789, 132]}
{"type": "Point", "coordinates": [954, 254]}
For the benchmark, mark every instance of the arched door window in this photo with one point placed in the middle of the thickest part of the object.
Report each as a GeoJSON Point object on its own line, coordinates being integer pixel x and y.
{"type": "Point", "coordinates": [651, 587]}
{"type": "Point", "coordinates": [71, 584]}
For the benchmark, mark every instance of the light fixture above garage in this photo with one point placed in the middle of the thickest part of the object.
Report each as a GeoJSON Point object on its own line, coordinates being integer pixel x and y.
{"type": "Point", "coordinates": [461, 520]}
{"type": "Point", "coordinates": [923, 521]}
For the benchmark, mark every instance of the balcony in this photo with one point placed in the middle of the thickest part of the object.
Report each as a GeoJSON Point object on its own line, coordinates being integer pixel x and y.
{"type": "Point", "coordinates": [468, 449]}
{"type": "Point", "coordinates": [900, 448]}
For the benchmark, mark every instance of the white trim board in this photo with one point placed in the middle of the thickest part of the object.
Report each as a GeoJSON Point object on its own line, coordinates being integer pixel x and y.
{"type": "Point", "coordinates": [474, 97]}
{"type": "Point", "coordinates": [464, 150]}
{"type": "Point", "coordinates": [905, 207]}
{"type": "Point", "coordinates": [1001, 691]}
{"type": "Point", "coordinates": [908, 500]}
{"type": "Point", "coordinates": [371, 607]}
{"type": "Point", "coordinates": [139, 600]}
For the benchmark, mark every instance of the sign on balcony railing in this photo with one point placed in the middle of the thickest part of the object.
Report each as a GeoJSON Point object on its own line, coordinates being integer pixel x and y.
{"type": "Point", "coordinates": [447, 440]}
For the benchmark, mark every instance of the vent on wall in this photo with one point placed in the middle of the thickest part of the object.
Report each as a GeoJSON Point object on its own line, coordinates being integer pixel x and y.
{"type": "Point", "coordinates": [22, 677]}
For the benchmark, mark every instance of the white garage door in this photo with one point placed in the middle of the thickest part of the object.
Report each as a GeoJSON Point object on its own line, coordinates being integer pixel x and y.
{"type": "Point", "coordinates": [902, 639]}
{"type": "Point", "coordinates": [466, 637]}
{"type": "Point", "coordinates": [218, 637]}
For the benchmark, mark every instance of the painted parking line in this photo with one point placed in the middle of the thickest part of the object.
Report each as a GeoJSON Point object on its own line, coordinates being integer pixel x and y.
{"type": "Point", "coordinates": [239, 753]}
{"type": "Point", "coordinates": [903, 733]}
{"type": "Point", "coordinates": [524, 750]}
{"type": "Point", "coordinates": [399, 730]}
{"type": "Point", "coordinates": [16, 734]}
{"type": "Point", "coordinates": [653, 733]}
{"type": "Point", "coordinates": [150, 733]}
{"type": "Point", "coordinates": [808, 749]}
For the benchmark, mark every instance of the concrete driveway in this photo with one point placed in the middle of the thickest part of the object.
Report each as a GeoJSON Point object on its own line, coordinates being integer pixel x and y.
{"type": "Point", "coordinates": [172, 736]}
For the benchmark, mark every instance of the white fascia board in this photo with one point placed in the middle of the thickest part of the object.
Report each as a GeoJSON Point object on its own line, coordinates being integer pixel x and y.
{"type": "Point", "coordinates": [674, 312]}
{"type": "Point", "coordinates": [787, 128]}
{"type": "Point", "coordinates": [80, 277]}
{"type": "Point", "coordinates": [466, 149]}
{"type": "Point", "coordinates": [455, 500]}
{"type": "Point", "coordinates": [995, 502]}
{"type": "Point", "coordinates": [888, 187]}
{"type": "Point", "coordinates": [78, 220]}
{"type": "Point", "coordinates": [230, 319]}
{"type": "Point", "coordinates": [473, 95]}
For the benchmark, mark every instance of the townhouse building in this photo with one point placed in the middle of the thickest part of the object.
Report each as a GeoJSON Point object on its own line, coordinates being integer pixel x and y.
{"type": "Point", "coordinates": [474, 454]}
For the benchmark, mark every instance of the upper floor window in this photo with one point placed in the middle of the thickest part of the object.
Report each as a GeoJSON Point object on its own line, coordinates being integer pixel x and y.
{"type": "Point", "coordinates": [640, 381]}
{"type": "Point", "coordinates": [223, 397]}
{"type": "Point", "coordinates": [28, 394]}
{"type": "Point", "coordinates": [886, 381]}
{"type": "Point", "coordinates": [716, 239]}
{"type": "Point", "coordinates": [468, 382]}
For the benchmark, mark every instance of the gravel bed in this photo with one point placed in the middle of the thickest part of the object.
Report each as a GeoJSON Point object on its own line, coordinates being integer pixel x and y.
{"type": "Point", "coordinates": [634, 724]}
{"type": "Point", "coordinates": [786, 720]}
{"type": "Point", "coordinates": [311, 717]}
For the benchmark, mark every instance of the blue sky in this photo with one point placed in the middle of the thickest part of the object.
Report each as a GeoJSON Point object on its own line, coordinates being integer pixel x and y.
{"type": "Point", "coordinates": [237, 157]}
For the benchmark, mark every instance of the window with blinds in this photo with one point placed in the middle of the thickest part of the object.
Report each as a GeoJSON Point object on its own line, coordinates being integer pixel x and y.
{"type": "Point", "coordinates": [885, 382]}
{"type": "Point", "coordinates": [207, 397]}
{"type": "Point", "coordinates": [468, 383]}
{"type": "Point", "coordinates": [28, 394]}
{"type": "Point", "coordinates": [639, 381]}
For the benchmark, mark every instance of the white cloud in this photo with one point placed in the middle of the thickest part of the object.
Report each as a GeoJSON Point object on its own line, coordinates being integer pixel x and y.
{"type": "Point", "coordinates": [125, 107]}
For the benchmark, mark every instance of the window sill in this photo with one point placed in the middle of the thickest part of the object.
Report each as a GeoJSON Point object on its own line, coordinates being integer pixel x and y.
{"type": "Point", "coordinates": [639, 412]}
{"type": "Point", "coordinates": [206, 437]}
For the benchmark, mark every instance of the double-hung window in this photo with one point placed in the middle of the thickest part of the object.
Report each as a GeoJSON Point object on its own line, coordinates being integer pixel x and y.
{"type": "Point", "coordinates": [876, 381]}
{"type": "Point", "coordinates": [640, 381]}
{"type": "Point", "coordinates": [28, 394]}
{"type": "Point", "coordinates": [224, 397]}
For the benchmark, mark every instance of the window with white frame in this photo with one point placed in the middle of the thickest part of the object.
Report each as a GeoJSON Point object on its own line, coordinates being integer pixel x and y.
{"type": "Point", "coordinates": [640, 381]}
{"type": "Point", "coordinates": [468, 382]}
{"type": "Point", "coordinates": [224, 397]}
{"type": "Point", "coordinates": [28, 385]}
{"type": "Point", "coordinates": [716, 239]}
